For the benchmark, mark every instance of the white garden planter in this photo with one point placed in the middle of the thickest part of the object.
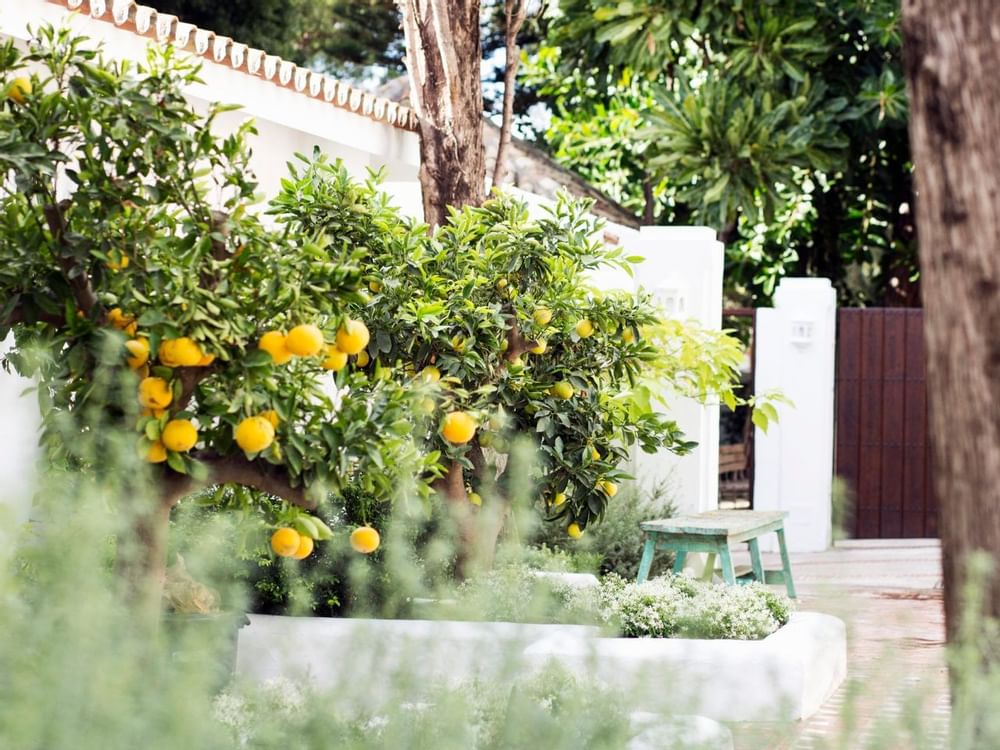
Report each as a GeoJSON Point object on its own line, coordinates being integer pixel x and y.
{"type": "Point", "coordinates": [376, 661]}
{"type": "Point", "coordinates": [783, 677]}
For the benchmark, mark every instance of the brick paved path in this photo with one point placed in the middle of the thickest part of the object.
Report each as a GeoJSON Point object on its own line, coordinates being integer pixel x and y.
{"type": "Point", "coordinates": [896, 692]}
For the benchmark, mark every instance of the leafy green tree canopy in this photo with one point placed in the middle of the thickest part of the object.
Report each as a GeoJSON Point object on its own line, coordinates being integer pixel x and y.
{"type": "Point", "coordinates": [782, 124]}
{"type": "Point", "coordinates": [249, 353]}
{"type": "Point", "coordinates": [129, 241]}
{"type": "Point", "coordinates": [496, 310]}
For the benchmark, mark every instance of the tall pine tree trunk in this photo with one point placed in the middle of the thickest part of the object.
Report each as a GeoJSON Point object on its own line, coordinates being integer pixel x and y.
{"type": "Point", "coordinates": [443, 56]}
{"type": "Point", "coordinates": [952, 51]}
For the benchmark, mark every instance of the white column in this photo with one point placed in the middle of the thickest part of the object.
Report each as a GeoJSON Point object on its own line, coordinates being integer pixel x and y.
{"type": "Point", "coordinates": [793, 461]}
{"type": "Point", "coordinates": [683, 269]}
{"type": "Point", "coordinates": [20, 454]}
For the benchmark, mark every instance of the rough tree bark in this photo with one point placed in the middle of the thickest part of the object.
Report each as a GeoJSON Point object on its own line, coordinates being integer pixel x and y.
{"type": "Point", "coordinates": [443, 56]}
{"type": "Point", "coordinates": [515, 11]}
{"type": "Point", "coordinates": [952, 51]}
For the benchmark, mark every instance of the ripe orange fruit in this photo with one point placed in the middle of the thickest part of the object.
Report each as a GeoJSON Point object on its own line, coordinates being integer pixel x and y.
{"type": "Point", "coordinates": [155, 393]}
{"type": "Point", "coordinates": [375, 286]}
{"type": "Point", "coordinates": [157, 453]}
{"type": "Point", "coordinates": [19, 90]}
{"type": "Point", "coordinates": [584, 328]}
{"type": "Point", "coordinates": [608, 488]}
{"type": "Point", "coordinates": [542, 316]}
{"type": "Point", "coordinates": [305, 548]}
{"type": "Point", "coordinates": [285, 541]}
{"type": "Point", "coordinates": [595, 454]}
{"type": "Point", "coordinates": [182, 352]}
{"type": "Point", "coordinates": [179, 435]}
{"type": "Point", "coordinates": [273, 342]}
{"type": "Point", "coordinates": [363, 359]}
{"type": "Point", "coordinates": [122, 322]}
{"type": "Point", "coordinates": [458, 427]}
{"type": "Point", "coordinates": [574, 530]}
{"type": "Point", "coordinates": [559, 499]}
{"type": "Point", "coordinates": [206, 360]}
{"type": "Point", "coordinates": [138, 352]}
{"type": "Point", "coordinates": [271, 416]}
{"type": "Point", "coordinates": [117, 261]}
{"type": "Point", "coordinates": [352, 337]}
{"type": "Point", "coordinates": [365, 540]}
{"type": "Point", "coordinates": [540, 346]}
{"type": "Point", "coordinates": [335, 359]}
{"type": "Point", "coordinates": [254, 434]}
{"type": "Point", "coordinates": [562, 390]}
{"type": "Point", "coordinates": [305, 340]}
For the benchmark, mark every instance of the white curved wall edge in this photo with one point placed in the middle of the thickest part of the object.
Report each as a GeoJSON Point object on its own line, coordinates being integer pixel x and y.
{"type": "Point", "coordinates": [784, 677]}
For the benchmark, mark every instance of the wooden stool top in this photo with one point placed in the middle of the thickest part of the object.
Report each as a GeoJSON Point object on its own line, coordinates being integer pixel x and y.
{"type": "Point", "coordinates": [733, 524]}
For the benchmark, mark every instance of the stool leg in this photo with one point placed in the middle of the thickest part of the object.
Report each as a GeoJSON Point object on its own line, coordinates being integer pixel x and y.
{"type": "Point", "coordinates": [680, 557]}
{"type": "Point", "coordinates": [786, 565]}
{"type": "Point", "coordinates": [728, 574]}
{"type": "Point", "coordinates": [647, 558]}
{"type": "Point", "coordinates": [709, 572]}
{"type": "Point", "coordinates": [755, 561]}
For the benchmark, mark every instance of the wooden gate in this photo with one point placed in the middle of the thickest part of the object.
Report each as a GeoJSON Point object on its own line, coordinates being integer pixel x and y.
{"type": "Point", "coordinates": [882, 442]}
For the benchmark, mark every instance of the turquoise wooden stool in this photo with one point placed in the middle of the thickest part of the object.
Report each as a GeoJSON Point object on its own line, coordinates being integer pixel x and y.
{"type": "Point", "coordinates": [713, 532]}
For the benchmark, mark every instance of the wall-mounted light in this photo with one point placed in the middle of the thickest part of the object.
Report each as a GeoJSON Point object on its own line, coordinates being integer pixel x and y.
{"type": "Point", "coordinates": [802, 333]}
{"type": "Point", "coordinates": [673, 300]}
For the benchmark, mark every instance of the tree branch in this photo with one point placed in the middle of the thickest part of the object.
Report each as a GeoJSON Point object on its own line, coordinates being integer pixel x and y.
{"type": "Point", "coordinates": [190, 377]}
{"type": "Point", "coordinates": [515, 12]}
{"type": "Point", "coordinates": [75, 275]}
{"type": "Point", "coordinates": [517, 344]}
{"type": "Point", "coordinates": [259, 475]}
{"type": "Point", "coordinates": [20, 314]}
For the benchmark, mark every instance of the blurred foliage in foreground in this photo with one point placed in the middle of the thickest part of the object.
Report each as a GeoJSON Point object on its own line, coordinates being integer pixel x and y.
{"type": "Point", "coordinates": [78, 670]}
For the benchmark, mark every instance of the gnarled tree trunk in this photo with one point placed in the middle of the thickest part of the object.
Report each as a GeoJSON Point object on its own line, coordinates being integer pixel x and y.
{"type": "Point", "coordinates": [443, 56]}
{"type": "Point", "coordinates": [952, 50]}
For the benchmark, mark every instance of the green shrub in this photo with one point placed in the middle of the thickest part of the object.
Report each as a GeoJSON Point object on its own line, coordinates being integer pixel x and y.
{"type": "Point", "coordinates": [553, 559]}
{"type": "Point", "coordinates": [617, 539]}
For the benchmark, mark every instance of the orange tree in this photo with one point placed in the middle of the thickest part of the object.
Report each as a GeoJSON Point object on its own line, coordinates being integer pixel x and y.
{"type": "Point", "coordinates": [129, 245]}
{"type": "Point", "coordinates": [495, 311]}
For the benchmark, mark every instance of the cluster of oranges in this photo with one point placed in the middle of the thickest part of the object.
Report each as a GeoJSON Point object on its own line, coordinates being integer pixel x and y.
{"type": "Point", "coordinates": [307, 341]}
{"type": "Point", "coordinates": [254, 433]}
{"type": "Point", "coordinates": [155, 393]}
{"type": "Point", "coordinates": [289, 542]}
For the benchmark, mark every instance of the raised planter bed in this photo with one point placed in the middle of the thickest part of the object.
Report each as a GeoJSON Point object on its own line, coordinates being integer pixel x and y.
{"type": "Point", "coordinates": [786, 676]}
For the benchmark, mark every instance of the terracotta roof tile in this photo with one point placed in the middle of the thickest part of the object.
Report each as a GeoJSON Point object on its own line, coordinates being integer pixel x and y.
{"type": "Point", "coordinates": [165, 28]}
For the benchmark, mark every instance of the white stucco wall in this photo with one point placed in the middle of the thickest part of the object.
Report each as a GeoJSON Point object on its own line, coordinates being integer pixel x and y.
{"type": "Point", "coordinates": [21, 422]}
{"type": "Point", "coordinates": [793, 465]}
{"type": "Point", "coordinates": [288, 121]}
{"type": "Point", "coordinates": [683, 269]}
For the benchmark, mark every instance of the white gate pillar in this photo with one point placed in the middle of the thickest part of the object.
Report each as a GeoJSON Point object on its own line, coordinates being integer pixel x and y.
{"type": "Point", "coordinates": [793, 461]}
{"type": "Point", "coordinates": [683, 269]}
{"type": "Point", "coordinates": [19, 458]}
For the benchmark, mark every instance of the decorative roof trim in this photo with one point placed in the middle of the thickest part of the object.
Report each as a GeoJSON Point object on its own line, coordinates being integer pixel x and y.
{"type": "Point", "coordinates": [165, 28]}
